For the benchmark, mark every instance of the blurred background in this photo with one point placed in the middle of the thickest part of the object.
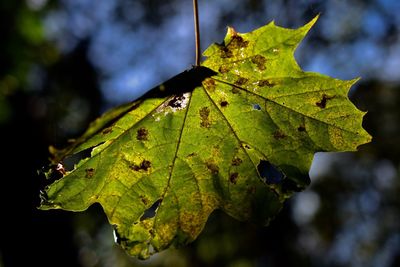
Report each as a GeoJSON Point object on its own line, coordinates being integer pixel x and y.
{"type": "Point", "coordinates": [63, 63]}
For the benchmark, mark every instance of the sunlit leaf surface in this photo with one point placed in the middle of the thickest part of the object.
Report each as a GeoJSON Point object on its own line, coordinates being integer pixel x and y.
{"type": "Point", "coordinates": [236, 134]}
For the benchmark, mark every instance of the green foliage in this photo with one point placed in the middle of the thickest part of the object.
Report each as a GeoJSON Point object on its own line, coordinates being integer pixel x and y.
{"type": "Point", "coordinates": [23, 50]}
{"type": "Point", "coordinates": [237, 134]}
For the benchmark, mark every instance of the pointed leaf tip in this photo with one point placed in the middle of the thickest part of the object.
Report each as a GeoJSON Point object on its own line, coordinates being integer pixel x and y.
{"type": "Point", "coordinates": [231, 31]}
{"type": "Point", "coordinates": [312, 22]}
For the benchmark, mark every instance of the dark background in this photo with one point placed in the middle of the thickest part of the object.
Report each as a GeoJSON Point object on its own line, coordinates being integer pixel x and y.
{"type": "Point", "coordinates": [62, 63]}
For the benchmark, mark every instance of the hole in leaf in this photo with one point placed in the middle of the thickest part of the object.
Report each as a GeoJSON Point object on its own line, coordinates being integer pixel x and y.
{"type": "Point", "coordinates": [70, 161]}
{"type": "Point", "coordinates": [256, 107]}
{"type": "Point", "coordinates": [52, 172]}
{"type": "Point", "coordinates": [270, 173]}
{"type": "Point", "coordinates": [57, 171]}
{"type": "Point", "coordinates": [177, 101]}
{"type": "Point", "coordinates": [117, 237]}
{"type": "Point", "coordinates": [151, 212]}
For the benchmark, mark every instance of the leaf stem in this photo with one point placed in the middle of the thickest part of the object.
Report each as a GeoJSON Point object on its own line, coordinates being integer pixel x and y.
{"type": "Point", "coordinates": [196, 31]}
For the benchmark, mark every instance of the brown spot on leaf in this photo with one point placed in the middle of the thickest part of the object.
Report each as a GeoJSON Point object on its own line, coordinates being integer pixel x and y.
{"type": "Point", "coordinates": [263, 83]}
{"type": "Point", "coordinates": [89, 172]}
{"type": "Point", "coordinates": [237, 42]}
{"type": "Point", "coordinates": [190, 223]}
{"type": "Point", "coordinates": [251, 190]}
{"type": "Point", "coordinates": [223, 69]}
{"type": "Point", "coordinates": [301, 128]}
{"type": "Point", "coordinates": [241, 81]}
{"type": "Point", "coordinates": [144, 200]}
{"type": "Point", "coordinates": [209, 84]}
{"type": "Point", "coordinates": [225, 52]}
{"type": "Point", "coordinates": [204, 117]}
{"type": "Point", "coordinates": [142, 134]}
{"type": "Point", "coordinates": [236, 161]}
{"type": "Point", "coordinates": [233, 177]}
{"type": "Point", "coordinates": [260, 61]}
{"type": "Point", "coordinates": [144, 165]}
{"type": "Point", "coordinates": [212, 167]}
{"type": "Point", "coordinates": [278, 134]}
{"type": "Point", "coordinates": [192, 154]}
{"type": "Point", "coordinates": [107, 130]}
{"type": "Point", "coordinates": [322, 102]}
{"type": "Point", "coordinates": [235, 90]}
{"type": "Point", "coordinates": [223, 103]}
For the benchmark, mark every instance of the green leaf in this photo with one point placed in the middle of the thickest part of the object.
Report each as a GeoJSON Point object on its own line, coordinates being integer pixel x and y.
{"type": "Point", "coordinates": [237, 134]}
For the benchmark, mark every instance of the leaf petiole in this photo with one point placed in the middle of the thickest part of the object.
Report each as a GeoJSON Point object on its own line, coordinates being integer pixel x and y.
{"type": "Point", "coordinates": [196, 31]}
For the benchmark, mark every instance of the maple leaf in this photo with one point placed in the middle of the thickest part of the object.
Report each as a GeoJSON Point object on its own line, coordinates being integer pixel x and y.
{"type": "Point", "coordinates": [237, 134]}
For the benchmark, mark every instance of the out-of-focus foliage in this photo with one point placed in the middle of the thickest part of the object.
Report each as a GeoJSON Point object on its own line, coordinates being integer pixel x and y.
{"type": "Point", "coordinates": [36, 98]}
{"type": "Point", "coordinates": [102, 48]}
{"type": "Point", "coordinates": [24, 50]}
